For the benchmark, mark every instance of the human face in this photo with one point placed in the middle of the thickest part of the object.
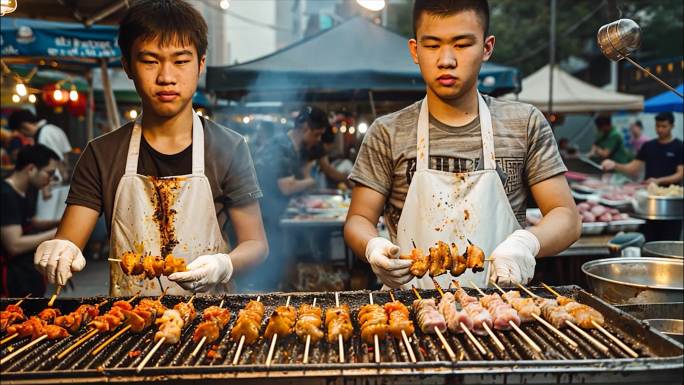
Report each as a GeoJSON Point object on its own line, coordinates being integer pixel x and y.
{"type": "Point", "coordinates": [663, 129]}
{"type": "Point", "coordinates": [635, 130]}
{"type": "Point", "coordinates": [450, 51]}
{"type": "Point", "coordinates": [41, 177]}
{"type": "Point", "coordinates": [29, 129]}
{"type": "Point", "coordinates": [165, 76]}
{"type": "Point", "coordinates": [312, 136]}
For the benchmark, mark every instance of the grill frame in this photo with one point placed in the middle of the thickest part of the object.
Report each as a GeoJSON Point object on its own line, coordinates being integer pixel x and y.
{"type": "Point", "coordinates": [667, 365]}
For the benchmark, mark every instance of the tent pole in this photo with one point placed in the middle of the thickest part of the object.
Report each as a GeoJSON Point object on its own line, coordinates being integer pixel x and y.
{"type": "Point", "coordinates": [372, 104]}
{"type": "Point", "coordinates": [110, 101]}
{"type": "Point", "coordinates": [90, 106]}
{"type": "Point", "coordinates": [552, 53]}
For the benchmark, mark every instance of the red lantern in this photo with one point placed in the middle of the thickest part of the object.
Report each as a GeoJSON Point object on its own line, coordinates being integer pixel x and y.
{"type": "Point", "coordinates": [49, 91]}
{"type": "Point", "coordinates": [79, 106]}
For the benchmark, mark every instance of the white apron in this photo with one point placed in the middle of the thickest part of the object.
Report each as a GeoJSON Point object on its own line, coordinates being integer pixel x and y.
{"type": "Point", "coordinates": [443, 206]}
{"type": "Point", "coordinates": [170, 215]}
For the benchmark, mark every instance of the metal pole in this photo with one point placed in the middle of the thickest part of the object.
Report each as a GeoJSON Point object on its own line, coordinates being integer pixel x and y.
{"type": "Point", "coordinates": [372, 104]}
{"type": "Point", "coordinates": [552, 53]}
{"type": "Point", "coordinates": [90, 109]}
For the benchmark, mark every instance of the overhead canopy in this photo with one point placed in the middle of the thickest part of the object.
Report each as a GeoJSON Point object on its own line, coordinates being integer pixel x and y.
{"type": "Point", "coordinates": [573, 95]}
{"type": "Point", "coordinates": [22, 38]}
{"type": "Point", "coordinates": [355, 55]}
{"type": "Point", "coordinates": [667, 101]}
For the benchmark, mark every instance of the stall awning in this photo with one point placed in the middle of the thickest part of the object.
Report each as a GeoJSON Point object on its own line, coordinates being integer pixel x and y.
{"type": "Point", "coordinates": [667, 101]}
{"type": "Point", "coordinates": [66, 41]}
{"type": "Point", "coordinates": [355, 55]}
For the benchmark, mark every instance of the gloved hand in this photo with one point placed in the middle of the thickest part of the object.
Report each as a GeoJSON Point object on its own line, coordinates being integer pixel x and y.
{"type": "Point", "coordinates": [514, 258]}
{"type": "Point", "coordinates": [57, 259]}
{"type": "Point", "coordinates": [205, 273]}
{"type": "Point", "coordinates": [383, 257]}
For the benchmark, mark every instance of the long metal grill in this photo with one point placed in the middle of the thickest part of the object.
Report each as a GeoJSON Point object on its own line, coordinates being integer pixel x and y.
{"type": "Point", "coordinates": [660, 355]}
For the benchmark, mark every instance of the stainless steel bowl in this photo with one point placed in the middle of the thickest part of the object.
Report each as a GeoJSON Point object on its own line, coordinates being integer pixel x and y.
{"type": "Point", "coordinates": [619, 39]}
{"type": "Point", "coordinates": [663, 249]}
{"type": "Point", "coordinates": [636, 280]}
{"type": "Point", "coordinates": [670, 327]}
{"type": "Point", "coordinates": [657, 207]}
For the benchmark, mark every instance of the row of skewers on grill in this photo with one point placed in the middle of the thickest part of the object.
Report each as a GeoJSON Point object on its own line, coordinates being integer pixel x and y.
{"type": "Point", "coordinates": [377, 322]}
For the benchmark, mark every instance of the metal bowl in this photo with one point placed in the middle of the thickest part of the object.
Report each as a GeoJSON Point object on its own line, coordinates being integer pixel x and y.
{"type": "Point", "coordinates": [663, 249]}
{"type": "Point", "coordinates": [619, 39]}
{"type": "Point", "coordinates": [657, 207]}
{"type": "Point", "coordinates": [670, 327]}
{"type": "Point", "coordinates": [636, 279]}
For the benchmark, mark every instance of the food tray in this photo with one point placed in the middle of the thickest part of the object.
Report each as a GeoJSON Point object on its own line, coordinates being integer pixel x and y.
{"type": "Point", "coordinates": [626, 225]}
{"type": "Point", "coordinates": [593, 228]}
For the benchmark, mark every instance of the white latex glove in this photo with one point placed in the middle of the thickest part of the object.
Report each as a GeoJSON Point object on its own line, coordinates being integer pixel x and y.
{"type": "Point", "coordinates": [205, 273]}
{"type": "Point", "coordinates": [514, 258]}
{"type": "Point", "coordinates": [57, 259]}
{"type": "Point", "coordinates": [383, 257]}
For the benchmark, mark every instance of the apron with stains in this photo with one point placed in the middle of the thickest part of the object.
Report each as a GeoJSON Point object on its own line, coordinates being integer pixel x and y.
{"type": "Point", "coordinates": [443, 206]}
{"type": "Point", "coordinates": [167, 215]}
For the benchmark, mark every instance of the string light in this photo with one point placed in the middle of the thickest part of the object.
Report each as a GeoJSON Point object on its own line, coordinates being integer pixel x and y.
{"type": "Point", "coordinates": [21, 89]}
{"type": "Point", "coordinates": [343, 128]}
{"type": "Point", "coordinates": [246, 120]}
{"type": "Point", "coordinates": [73, 94]}
{"type": "Point", "coordinates": [32, 98]}
{"type": "Point", "coordinates": [224, 4]}
{"type": "Point", "coordinates": [363, 127]}
{"type": "Point", "coordinates": [57, 95]}
{"type": "Point", "coordinates": [352, 130]}
{"type": "Point", "coordinates": [372, 5]}
{"type": "Point", "coordinates": [16, 98]}
{"type": "Point", "coordinates": [133, 114]}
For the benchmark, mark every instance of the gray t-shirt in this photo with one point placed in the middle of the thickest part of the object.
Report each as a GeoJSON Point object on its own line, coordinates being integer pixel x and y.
{"type": "Point", "coordinates": [524, 146]}
{"type": "Point", "coordinates": [227, 164]}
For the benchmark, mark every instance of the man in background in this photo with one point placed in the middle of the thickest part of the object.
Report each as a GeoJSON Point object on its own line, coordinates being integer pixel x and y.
{"type": "Point", "coordinates": [609, 143]}
{"type": "Point", "coordinates": [638, 138]}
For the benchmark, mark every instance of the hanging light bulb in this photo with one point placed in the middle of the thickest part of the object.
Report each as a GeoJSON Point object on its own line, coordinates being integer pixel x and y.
{"type": "Point", "coordinates": [21, 89]}
{"type": "Point", "coordinates": [372, 5]}
{"type": "Point", "coordinates": [32, 98]}
{"type": "Point", "coordinates": [7, 6]}
{"type": "Point", "coordinates": [16, 98]}
{"type": "Point", "coordinates": [343, 128]}
{"type": "Point", "coordinates": [133, 114]}
{"type": "Point", "coordinates": [363, 127]}
{"type": "Point", "coordinates": [246, 120]}
{"type": "Point", "coordinates": [57, 95]}
{"type": "Point", "coordinates": [73, 94]}
{"type": "Point", "coordinates": [224, 4]}
{"type": "Point", "coordinates": [352, 130]}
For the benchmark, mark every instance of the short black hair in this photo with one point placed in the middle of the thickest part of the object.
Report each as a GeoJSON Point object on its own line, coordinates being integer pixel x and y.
{"type": "Point", "coordinates": [37, 155]}
{"type": "Point", "coordinates": [20, 117]}
{"type": "Point", "coordinates": [444, 8]}
{"type": "Point", "coordinates": [602, 120]}
{"type": "Point", "coordinates": [316, 118]}
{"type": "Point", "coordinates": [173, 21]}
{"type": "Point", "coordinates": [638, 123]}
{"type": "Point", "coordinates": [665, 116]}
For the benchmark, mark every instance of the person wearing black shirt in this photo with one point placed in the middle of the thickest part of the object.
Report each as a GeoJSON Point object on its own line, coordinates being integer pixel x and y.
{"type": "Point", "coordinates": [20, 232]}
{"type": "Point", "coordinates": [664, 165]}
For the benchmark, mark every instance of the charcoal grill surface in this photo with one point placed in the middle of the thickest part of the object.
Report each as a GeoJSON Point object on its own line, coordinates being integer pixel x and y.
{"type": "Point", "coordinates": [660, 358]}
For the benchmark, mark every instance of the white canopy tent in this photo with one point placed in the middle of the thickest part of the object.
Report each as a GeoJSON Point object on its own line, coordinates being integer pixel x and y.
{"type": "Point", "coordinates": [571, 95]}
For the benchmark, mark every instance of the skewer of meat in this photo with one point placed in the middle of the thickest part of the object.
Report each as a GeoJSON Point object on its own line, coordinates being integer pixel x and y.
{"type": "Point", "coordinates": [281, 324]}
{"type": "Point", "coordinates": [308, 326]}
{"type": "Point", "coordinates": [400, 325]}
{"type": "Point", "coordinates": [151, 266]}
{"type": "Point", "coordinates": [13, 313]}
{"type": "Point", "coordinates": [171, 324]}
{"type": "Point", "coordinates": [247, 325]}
{"type": "Point", "coordinates": [215, 318]}
{"type": "Point", "coordinates": [82, 315]}
{"type": "Point", "coordinates": [430, 320]}
{"type": "Point", "coordinates": [374, 324]}
{"type": "Point", "coordinates": [36, 325]}
{"type": "Point", "coordinates": [338, 324]}
{"type": "Point", "coordinates": [458, 321]}
{"type": "Point", "coordinates": [529, 310]}
{"type": "Point", "coordinates": [120, 313]}
{"type": "Point", "coordinates": [444, 258]}
{"type": "Point", "coordinates": [587, 318]}
{"type": "Point", "coordinates": [505, 317]}
{"type": "Point", "coordinates": [482, 318]}
{"type": "Point", "coordinates": [558, 316]}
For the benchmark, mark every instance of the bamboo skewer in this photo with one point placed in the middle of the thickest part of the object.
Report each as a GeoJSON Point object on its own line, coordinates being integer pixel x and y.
{"type": "Point", "coordinates": [513, 325]}
{"type": "Point", "coordinates": [465, 329]}
{"type": "Point", "coordinates": [376, 352]}
{"type": "Point", "coordinates": [271, 349]}
{"type": "Point", "coordinates": [541, 320]}
{"type": "Point", "coordinates": [601, 329]}
{"type": "Point", "coordinates": [8, 339]}
{"type": "Point", "coordinates": [114, 260]}
{"type": "Point", "coordinates": [308, 342]}
{"type": "Point", "coordinates": [489, 331]}
{"type": "Point", "coordinates": [340, 341]}
{"type": "Point", "coordinates": [77, 343]}
{"type": "Point", "coordinates": [203, 340]}
{"type": "Point", "coordinates": [159, 343]}
{"type": "Point", "coordinates": [238, 351]}
{"type": "Point", "coordinates": [22, 349]}
{"type": "Point", "coordinates": [54, 296]}
{"type": "Point", "coordinates": [574, 327]}
{"type": "Point", "coordinates": [404, 336]}
{"type": "Point", "coordinates": [451, 353]}
{"type": "Point", "coordinates": [110, 340]}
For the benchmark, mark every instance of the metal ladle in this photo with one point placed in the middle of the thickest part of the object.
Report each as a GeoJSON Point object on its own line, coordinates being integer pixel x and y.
{"type": "Point", "coordinates": [617, 40]}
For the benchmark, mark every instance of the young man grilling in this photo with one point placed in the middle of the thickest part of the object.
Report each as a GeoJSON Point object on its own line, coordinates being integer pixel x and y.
{"type": "Point", "coordinates": [168, 181]}
{"type": "Point", "coordinates": [455, 167]}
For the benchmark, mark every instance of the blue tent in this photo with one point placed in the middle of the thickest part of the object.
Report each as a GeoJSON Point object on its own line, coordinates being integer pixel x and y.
{"type": "Point", "coordinates": [354, 55]}
{"type": "Point", "coordinates": [667, 101]}
{"type": "Point", "coordinates": [47, 39]}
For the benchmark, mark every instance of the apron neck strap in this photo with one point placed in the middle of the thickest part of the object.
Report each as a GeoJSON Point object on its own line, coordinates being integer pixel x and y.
{"type": "Point", "coordinates": [197, 146]}
{"type": "Point", "coordinates": [423, 136]}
